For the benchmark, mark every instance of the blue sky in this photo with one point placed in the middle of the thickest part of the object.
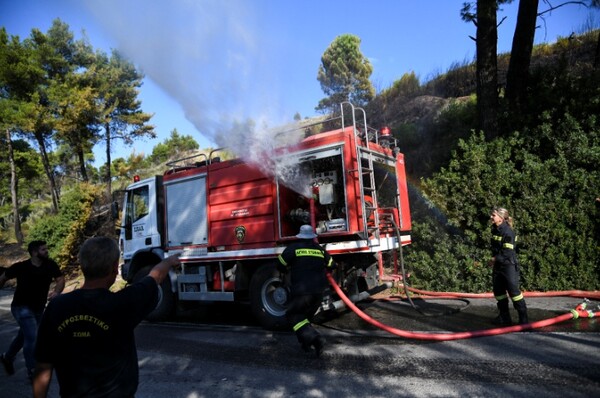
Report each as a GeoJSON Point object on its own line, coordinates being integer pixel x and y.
{"type": "Point", "coordinates": [211, 63]}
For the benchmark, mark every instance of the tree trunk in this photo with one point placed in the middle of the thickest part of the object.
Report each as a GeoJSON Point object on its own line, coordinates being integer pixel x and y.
{"type": "Point", "coordinates": [108, 174]}
{"type": "Point", "coordinates": [82, 170]}
{"type": "Point", "coordinates": [49, 173]}
{"type": "Point", "coordinates": [487, 67]}
{"type": "Point", "coordinates": [597, 55]}
{"type": "Point", "coordinates": [14, 189]}
{"type": "Point", "coordinates": [520, 55]}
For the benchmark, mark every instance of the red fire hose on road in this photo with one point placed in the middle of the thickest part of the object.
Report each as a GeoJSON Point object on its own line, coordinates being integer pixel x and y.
{"type": "Point", "coordinates": [560, 293]}
{"type": "Point", "coordinates": [579, 312]}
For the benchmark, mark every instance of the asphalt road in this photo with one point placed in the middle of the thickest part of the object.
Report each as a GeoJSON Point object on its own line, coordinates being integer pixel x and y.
{"type": "Point", "coordinates": [227, 355]}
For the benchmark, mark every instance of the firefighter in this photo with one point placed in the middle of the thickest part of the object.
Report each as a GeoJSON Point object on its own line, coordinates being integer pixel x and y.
{"type": "Point", "coordinates": [505, 274]}
{"type": "Point", "coordinates": [307, 263]}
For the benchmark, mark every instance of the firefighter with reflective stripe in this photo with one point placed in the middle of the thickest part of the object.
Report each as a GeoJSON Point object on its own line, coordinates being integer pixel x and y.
{"type": "Point", "coordinates": [307, 263]}
{"type": "Point", "coordinates": [505, 274]}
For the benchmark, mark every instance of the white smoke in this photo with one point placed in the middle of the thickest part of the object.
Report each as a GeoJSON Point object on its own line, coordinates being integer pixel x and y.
{"type": "Point", "coordinates": [208, 56]}
{"type": "Point", "coordinates": [266, 148]}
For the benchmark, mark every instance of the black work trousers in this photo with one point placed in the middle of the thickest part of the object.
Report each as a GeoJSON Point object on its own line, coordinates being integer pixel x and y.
{"type": "Point", "coordinates": [299, 314]}
{"type": "Point", "coordinates": [505, 278]}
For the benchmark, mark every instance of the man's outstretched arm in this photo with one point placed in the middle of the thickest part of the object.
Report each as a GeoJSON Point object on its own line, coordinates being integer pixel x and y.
{"type": "Point", "coordinates": [160, 270]}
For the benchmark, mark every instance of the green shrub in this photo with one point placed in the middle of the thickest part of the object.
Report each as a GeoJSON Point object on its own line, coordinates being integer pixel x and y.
{"type": "Point", "coordinates": [64, 232]}
{"type": "Point", "coordinates": [407, 86]}
{"type": "Point", "coordinates": [551, 197]}
{"type": "Point", "coordinates": [442, 260]}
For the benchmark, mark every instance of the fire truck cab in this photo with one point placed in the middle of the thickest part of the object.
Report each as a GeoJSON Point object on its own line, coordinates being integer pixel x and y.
{"type": "Point", "coordinates": [231, 219]}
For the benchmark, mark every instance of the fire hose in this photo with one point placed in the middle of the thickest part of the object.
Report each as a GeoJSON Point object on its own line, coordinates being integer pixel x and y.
{"type": "Point", "coordinates": [579, 312]}
{"type": "Point", "coordinates": [559, 293]}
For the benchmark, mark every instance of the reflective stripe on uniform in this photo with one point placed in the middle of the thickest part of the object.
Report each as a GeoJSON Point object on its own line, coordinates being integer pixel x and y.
{"type": "Point", "coordinates": [496, 237]}
{"type": "Point", "coordinates": [281, 260]}
{"type": "Point", "coordinates": [502, 297]}
{"type": "Point", "coordinates": [300, 324]}
{"type": "Point", "coordinates": [508, 246]}
{"type": "Point", "coordinates": [517, 298]}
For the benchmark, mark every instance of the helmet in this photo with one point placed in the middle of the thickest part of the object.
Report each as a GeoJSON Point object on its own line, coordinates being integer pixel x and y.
{"type": "Point", "coordinates": [306, 232]}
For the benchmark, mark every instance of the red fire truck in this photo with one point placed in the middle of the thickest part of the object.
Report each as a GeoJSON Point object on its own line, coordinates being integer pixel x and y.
{"type": "Point", "coordinates": [230, 219]}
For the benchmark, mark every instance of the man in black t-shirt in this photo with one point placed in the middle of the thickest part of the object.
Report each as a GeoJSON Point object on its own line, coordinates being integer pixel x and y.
{"type": "Point", "coordinates": [34, 277]}
{"type": "Point", "coordinates": [87, 335]}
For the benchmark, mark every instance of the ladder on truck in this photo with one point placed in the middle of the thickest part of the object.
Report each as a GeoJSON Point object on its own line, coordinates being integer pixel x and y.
{"type": "Point", "coordinates": [366, 176]}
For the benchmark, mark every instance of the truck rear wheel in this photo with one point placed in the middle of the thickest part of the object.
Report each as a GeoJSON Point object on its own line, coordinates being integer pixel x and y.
{"type": "Point", "coordinates": [166, 299]}
{"type": "Point", "coordinates": [268, 297]}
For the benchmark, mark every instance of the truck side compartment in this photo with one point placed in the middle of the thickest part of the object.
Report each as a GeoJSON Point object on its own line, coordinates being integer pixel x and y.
{"type": "Point", "coordinates": [242, 207]}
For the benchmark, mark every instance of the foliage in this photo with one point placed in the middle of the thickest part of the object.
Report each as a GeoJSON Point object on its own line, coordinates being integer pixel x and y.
{"type": "Point", "coordinates": [408, 135]}
{"type": "Point", "coordinates": [546, 174]}
{"type": "Point", "coordinates": [551, 198]}
{"type": "Point", "coordinates": [29, 170]}
{"type": "Point", "coordinates": [407, 86]}
{"type": "Point", "coordinates": [59, 93]}
{"type": "Point", "coordinates": [454, 122]}
{"type": "Point", "coordinates": [441, 259]}
{"type": "Point", "coordinates": [64, 231]}
{"type": "Point", "coordinates": [123, 170]}
{"type": "Point", "coordinates": [116, 82]}
{"type": "Point", "coordinates": [344, 74]}
{"type": "Point", "coordinates": [428, 142]}
{"type": "Point", "coordinates": [172, 147]}
{"type": "Point", "coordinates": [458, 81]}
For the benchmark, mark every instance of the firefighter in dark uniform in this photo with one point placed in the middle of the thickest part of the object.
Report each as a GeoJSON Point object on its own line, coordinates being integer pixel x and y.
{"type": "Point", "coordinates": [307, 263]}
{"type": "Point", "coordinates": [505, 274]}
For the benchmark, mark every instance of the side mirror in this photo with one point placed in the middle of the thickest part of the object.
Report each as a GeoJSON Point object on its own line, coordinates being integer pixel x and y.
{"type": "Point", "coordinates": [114, 210]}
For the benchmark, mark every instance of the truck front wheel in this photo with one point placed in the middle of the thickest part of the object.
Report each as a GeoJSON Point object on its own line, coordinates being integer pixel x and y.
{"type": "Point", "coordinates": [268, 297]}
{"type": "Point", "coordinates": [166, 299]}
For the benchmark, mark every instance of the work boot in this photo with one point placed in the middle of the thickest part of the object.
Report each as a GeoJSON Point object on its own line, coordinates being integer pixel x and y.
{"type": "Point", "coordinates": [8, 365]}
{"type": "Point", "coordinates": [318, 343]}
{"type": "Point", "coordinates": [502, 320]}
{"type": "Point", "coordinates": [523, 318]}
{"type": "Point", "coordinates": [306, 347]}
{"type": "Point", "coordinates": [306, 335]}
{"type": "Point", "coordinates": [521, 308]}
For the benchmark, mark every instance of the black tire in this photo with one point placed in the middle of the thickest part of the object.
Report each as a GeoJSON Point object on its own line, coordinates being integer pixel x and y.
{"type": "Point", "coordinates": [268, 298]}
{"type": "Point", "coordinates": [166, 299]}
